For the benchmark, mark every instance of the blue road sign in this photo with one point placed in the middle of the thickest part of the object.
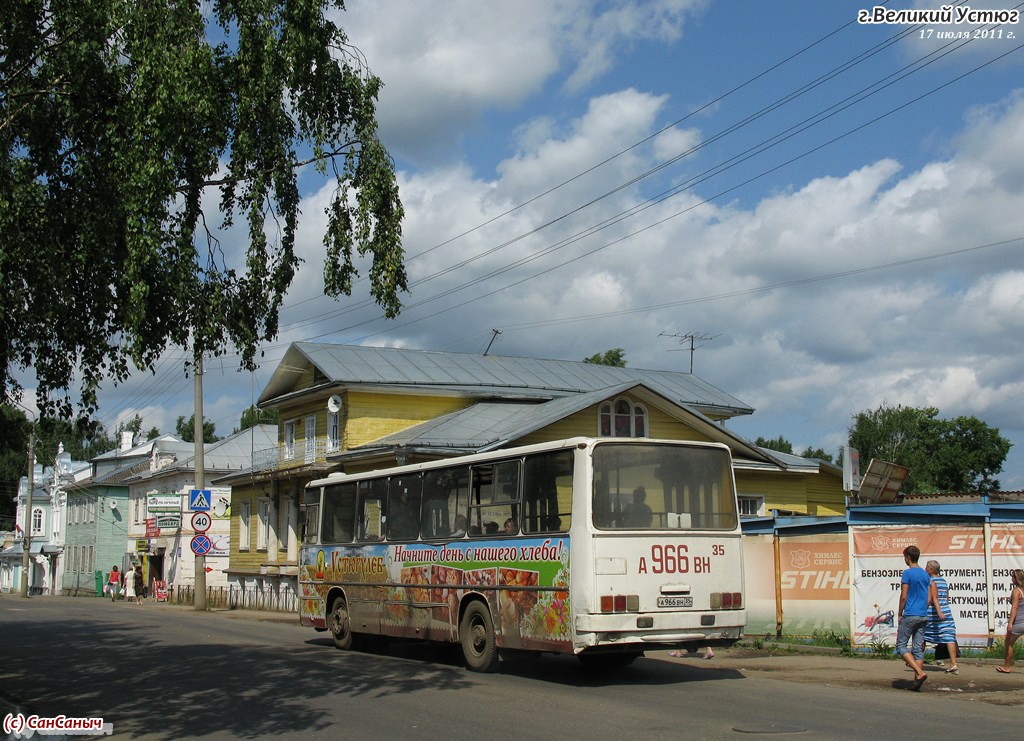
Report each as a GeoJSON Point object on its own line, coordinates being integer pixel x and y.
{"type": "Point", "coordinates": [199, 500]}
{"type": "Point", "coordinates": [201, 545]}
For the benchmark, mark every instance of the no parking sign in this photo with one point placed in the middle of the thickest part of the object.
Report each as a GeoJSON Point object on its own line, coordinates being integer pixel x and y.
{"type": "Point", "coordinates": [201, 545]}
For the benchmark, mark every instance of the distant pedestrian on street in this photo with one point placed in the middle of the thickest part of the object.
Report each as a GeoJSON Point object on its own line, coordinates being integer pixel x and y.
{"type": "Point", "coordinates": [129, 585]}
{"type": "Point", "coordinates": [140, 585]}
{"type": "Point", "coordinates": [941, 628]}
{"type": "Point", "coordinates": [915, 594]}
{"type": "Point", "coordinates": [113, 583]}
{"type": "Point", "coordinates": [1015, 625]}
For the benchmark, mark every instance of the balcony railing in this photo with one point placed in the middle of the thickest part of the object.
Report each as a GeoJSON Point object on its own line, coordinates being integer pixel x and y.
{"type": "Point", "coordinates": [302, 453]}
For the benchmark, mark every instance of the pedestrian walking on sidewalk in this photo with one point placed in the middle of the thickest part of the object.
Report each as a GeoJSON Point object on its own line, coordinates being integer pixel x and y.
{"type": "Point", "coordinates": [113, 583]}
{"type": "Point", "coordinates": [1015, 625]}
{"type": "Point", "coordinates": [915, 594]}
{"type": "Point", "coordinates": [140, 585]}
{"type": "Point", "coordinates": [941, 628]}
{"type": "Point", "coordinates": [129, 584]}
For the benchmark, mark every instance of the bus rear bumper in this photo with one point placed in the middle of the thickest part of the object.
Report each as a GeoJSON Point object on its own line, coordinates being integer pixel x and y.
{"type": "Point", "coordinates": [660, 630]}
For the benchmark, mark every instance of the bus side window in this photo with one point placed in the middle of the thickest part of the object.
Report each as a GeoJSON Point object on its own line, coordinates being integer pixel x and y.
{"type": "Point", "coordinates": [495, 498]}
{"type": "Point", "coordinates": [310, 520]}
{"type": "Point", "coordinates": [339, 512]}
{"type": "Point", "coordinates": [547, 492]}
{"type": "Point", "coordinates": [404, 494]}
{"type": "Point", "coordinates": [371, 509]}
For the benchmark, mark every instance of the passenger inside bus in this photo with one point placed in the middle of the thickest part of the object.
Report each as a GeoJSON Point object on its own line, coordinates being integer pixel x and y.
{"type": "Point", "coordinates": [460, 526]}
{"type": "Point", "coordinates": [638, 514]}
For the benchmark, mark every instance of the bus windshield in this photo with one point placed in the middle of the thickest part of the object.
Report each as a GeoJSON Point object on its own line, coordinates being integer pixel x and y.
{"type": "Point", "coordinates": [662, 487]}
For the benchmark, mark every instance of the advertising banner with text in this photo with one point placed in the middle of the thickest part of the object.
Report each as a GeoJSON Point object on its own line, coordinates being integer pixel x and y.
{"type": "Point", "coordinates": [960, 550]}
{"type": "Point", "coordinates": [814, 579]}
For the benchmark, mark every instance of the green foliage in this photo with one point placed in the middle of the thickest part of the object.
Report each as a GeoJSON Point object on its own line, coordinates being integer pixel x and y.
{"type": "Point", "coordinates": [254, 416]}
{"type": "Point", "coordinates": [818, 453]}
{"type": "Point", "coordinates": [959, 455]}
{"type": "Point", "coordinates": [779, 444]}
{"type": "Point", "coordinates": [117, 121]}
{"type": "Point", "coordinates": [615, 357]}
{"type": "Point", "coordinates": [186, 430]}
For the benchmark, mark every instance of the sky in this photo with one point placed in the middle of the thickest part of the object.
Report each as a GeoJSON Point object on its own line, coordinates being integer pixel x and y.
{"type": "Point", "coordinates": [833, 210]}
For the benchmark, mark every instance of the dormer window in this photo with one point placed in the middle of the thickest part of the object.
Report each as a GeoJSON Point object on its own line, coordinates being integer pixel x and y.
{"type": "Point", "coordinates": [622, 418]}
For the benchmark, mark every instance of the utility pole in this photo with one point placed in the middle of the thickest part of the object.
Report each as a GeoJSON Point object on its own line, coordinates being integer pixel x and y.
{"type": "Point", "coordinates": [200, 475]}
{"type": "Point", "coordinates": [26, 539]}
{"type": "Point", "coordinates": [692, 338]}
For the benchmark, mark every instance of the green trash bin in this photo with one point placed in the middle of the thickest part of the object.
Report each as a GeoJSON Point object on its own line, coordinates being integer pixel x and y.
{"type": "Point", "coordinates": [99, 583]}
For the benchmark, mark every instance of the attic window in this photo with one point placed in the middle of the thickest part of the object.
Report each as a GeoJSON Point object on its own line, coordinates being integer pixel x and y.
{"type": "Point", "coordinates": [622, 418]}
{"type": "Point", "coordinates": [318, 375]}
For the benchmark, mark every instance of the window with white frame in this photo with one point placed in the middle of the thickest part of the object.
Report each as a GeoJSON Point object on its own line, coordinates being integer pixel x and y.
{"type": "Point", "coordinates": [310, 439]}
{"type": "Point", "coordinates": [289, 438]}
{"type": "Point", "coordinates": [37, 522]}
{"type": "Point", "coordinates": [262, 524]}
{"type": "Point", "coordinates": [333, 431]}
{"type": "Point", "coordinates": [244, 513]}
{"type": "Point", "coordinates": [751, 506]}
{"type": "Point", "coordinates": [622, 418]}
{"type": "Point", "coordinates": [92, 558]}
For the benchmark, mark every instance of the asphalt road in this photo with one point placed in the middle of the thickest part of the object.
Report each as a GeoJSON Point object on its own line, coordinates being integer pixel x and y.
{"type": "Point", "coordinates": [165, 672]}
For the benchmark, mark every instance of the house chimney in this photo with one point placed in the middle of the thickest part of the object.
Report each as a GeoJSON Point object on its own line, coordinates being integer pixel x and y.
{"type": "Point", "coordinates": [127, 438]}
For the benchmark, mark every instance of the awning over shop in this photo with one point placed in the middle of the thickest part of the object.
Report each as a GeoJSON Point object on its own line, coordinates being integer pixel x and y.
{"type": "Point", "coordinates": [16, 550]}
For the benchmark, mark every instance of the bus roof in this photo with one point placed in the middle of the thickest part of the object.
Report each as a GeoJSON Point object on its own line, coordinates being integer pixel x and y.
{"type": "Point", "coordinates": [571, 442]}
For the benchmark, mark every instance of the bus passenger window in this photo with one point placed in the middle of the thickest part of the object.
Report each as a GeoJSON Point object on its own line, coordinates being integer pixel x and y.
{"type": "Point", "coordinates": [339, 513]}
{"type": "Point", "coordinates": [404, 493]}
{"type": "Point", "coordinates": [370, 509]}
{"type": "Point", "coordinates": [547, 492]}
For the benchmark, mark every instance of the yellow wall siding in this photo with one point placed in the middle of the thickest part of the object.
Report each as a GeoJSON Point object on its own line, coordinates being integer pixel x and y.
{"type": "Point", "coordinates": [787, 492]}
{"type": "Point", "coordinates": [825, 495]}
{"type": "Point", "coordinates": [239, 559]}
{"type": "Point", "coordinates": [373, 416]}
{"type": "Point", "coordinates": [585, 423]}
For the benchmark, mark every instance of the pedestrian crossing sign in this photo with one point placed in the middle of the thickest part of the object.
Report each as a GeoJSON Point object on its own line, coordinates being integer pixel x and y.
{"type": "Point", "coordinates": [199, 500]}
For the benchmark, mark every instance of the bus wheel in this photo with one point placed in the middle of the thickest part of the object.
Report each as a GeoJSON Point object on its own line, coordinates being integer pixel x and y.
{"type": "Point", "coordinates": [339, 625]}
{"type": "Point", "coordinates": [608, 661]}
{"type": "Point", "coordinates": [476, 632]}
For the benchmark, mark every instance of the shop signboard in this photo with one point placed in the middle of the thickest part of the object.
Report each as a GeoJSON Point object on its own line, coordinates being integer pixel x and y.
{"type": "Point", "coordinates": [164, 503]}
{"type": "Point", "coordinates": [152, 531]}
{"type": "Point", "coordinates": [170, 522]}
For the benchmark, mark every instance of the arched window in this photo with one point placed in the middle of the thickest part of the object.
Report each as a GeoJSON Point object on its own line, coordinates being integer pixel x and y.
{"type": "Point", "coordinates": [622, 418]}
{"type": "Point", "coordinates": [37, 522]}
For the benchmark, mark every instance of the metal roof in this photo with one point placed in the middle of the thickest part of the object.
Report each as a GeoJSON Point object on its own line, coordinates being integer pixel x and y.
{"type": "Point", "coordinates": [230, 454]}
{"type": "Point", "coordinates": [485, 375]}
{"type": "Point", "coordinates": [490, 425]}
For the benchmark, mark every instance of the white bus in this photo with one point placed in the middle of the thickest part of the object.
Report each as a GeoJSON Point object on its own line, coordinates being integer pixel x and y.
{"type": "Point", "coordinates": [601, 547]}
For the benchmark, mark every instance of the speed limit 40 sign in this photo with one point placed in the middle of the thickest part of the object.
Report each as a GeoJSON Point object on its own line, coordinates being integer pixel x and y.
{"type": "Point", "coordinates": [201, 521]}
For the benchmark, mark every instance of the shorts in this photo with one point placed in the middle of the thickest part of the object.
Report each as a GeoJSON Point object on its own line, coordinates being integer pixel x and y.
{"type": "Point", "coordinates": [910, 635]}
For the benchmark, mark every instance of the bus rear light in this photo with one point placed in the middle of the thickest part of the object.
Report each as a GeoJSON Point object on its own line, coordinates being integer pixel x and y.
{"type": "Point", "coordinates": [726, 600]}
{"type": "Point", "coordinates": [620, 603]}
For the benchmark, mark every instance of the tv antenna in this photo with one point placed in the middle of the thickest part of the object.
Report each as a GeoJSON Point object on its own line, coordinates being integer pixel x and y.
{"type": "Point", "coordinates": [693, 338]}
{"type": "Point", "coordinates": [494, 336]}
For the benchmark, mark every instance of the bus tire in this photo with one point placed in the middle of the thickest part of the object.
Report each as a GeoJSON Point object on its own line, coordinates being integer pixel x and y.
{"type": "Point", "coordinates": [476, 633]}
{"type": "Point", "coordinates": [338, 622]}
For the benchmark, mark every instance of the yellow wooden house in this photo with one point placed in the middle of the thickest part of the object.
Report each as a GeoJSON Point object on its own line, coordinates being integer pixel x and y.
{"type": "Point", "coordinates": [351, 408]}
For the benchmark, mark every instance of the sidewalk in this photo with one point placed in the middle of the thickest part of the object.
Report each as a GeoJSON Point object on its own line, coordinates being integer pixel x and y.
{"type": "Point", "coordinates": [978, 679]}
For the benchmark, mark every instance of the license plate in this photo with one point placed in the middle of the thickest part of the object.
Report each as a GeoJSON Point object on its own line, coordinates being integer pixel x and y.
{"type": "Point", "coordinates": [675, 601]}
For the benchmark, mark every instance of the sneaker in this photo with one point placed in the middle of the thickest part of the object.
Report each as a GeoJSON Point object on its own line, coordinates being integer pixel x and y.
{"type": "Point", "coordinates": [939, 662]}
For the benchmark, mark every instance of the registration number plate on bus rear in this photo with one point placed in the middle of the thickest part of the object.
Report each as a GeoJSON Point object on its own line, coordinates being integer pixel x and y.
{"type": "Point", "coordinates": [675, 601]}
